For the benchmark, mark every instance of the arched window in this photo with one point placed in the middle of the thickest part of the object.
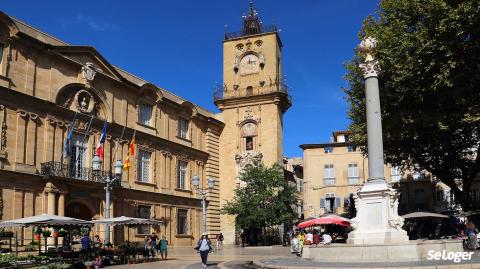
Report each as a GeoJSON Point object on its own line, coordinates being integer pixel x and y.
{"type": "Point", "coordinates": [249, 133]}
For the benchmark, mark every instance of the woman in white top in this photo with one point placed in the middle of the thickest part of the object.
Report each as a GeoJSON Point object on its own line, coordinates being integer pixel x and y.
{"type": "Point", "coordinates": [204, 246]}
{"type": "Point", "coordinates": [309, 238]}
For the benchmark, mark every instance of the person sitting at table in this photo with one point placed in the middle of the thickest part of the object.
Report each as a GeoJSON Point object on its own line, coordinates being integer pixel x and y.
{"type": "Point", "coordinates": [316, 237]}
{"type": "Point", "coordinates": [327, 239]}
{"type": "Point", "coordinates": [97, 241]}
{"type": "Point", "coordinates": [309, 238]}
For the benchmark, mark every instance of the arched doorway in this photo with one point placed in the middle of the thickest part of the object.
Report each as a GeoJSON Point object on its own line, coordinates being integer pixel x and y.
{"type": "Point", "coordinates": [78, 211]}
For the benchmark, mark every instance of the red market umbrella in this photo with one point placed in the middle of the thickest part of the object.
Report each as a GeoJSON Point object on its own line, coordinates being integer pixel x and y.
{"type": "Point", "coordinates": [326, 220]}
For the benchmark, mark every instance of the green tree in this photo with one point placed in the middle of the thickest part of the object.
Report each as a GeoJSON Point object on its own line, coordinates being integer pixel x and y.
{"type": "Point", "coordinates": [429, 53]}
{"type": "Point", "coordinates": [264, 198]}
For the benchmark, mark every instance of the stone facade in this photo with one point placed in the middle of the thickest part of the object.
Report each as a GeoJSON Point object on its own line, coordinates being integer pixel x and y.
{"type": "Point", "coordinates": [347, 170]}
{"type": "Point", "coordinates": [44, 83]}
{"type": "Point", "coordinates": [252, 103]}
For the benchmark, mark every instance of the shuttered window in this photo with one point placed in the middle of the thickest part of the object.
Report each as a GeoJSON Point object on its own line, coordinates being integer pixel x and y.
{"type": "Point", "coordinates": [181, 174]}
{"type": "Point", "coordinates": [143, 166]}
{"type": "Point", "coordinates": [182, 221]}
{"type": "Point", "coordinates": [329, 175]}
{"type": "Point", "coordinates": [145, 114]}
{"type": "Point", "coordinates": [183, 128]}
{"type": "Point", "coordinates": [395, 173]}
{"type": "Point", "coordinates": [353, 174]}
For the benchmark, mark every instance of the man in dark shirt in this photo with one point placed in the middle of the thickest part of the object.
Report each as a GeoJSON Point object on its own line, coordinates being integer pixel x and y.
{"type": "Point", "coordinates": [154, 239]}
{"type": "Point", "coordinates": [86, 242]}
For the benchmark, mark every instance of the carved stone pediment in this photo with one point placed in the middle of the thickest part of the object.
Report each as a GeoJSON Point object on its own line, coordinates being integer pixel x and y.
{"type": "Point", "coordinates": [246, 158]}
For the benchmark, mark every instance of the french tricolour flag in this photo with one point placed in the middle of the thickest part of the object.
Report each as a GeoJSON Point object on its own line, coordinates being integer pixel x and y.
{"type": "Point", "coordinates": [103, 136]}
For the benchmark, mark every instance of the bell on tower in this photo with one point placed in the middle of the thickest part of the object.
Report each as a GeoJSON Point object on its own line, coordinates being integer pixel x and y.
{"type": "Point", "coordinates": [251, 23]}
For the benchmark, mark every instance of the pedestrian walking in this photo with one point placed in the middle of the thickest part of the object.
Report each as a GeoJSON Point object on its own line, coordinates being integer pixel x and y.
{"type": "Point", "coordinates": [154, 239]}
{"type": "Point", "coordinates": [204, 246]}
{"type": "Point", "coordinates": [294, 245]}
{"type": "Point", "coordinates": [242, 238]}
{"type": "Point", "coordinates": [147, 248]}
{"type": "Point", "coordinates": [219, 241]}
{"type": "Point", "coordinates": [163, 247]}
{"type": "Point", "coordinates": [471, 233]}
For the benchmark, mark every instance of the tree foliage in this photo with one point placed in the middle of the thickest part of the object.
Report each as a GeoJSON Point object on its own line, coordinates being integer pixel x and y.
{"type": "Point", "coordinates": [429, 53]}
{"type": "Point", "coordinates": [264, 198]}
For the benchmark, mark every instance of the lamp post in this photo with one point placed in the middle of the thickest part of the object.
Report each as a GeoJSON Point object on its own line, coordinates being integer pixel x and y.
{"type": "Point", "coordinates": [203, 193]}
{"type": "Point", "coordinates": [109, 181]}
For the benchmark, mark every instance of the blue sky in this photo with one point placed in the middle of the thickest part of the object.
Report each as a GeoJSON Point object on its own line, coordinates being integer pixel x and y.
{"type": "Point", "coordinates": [178, 46]}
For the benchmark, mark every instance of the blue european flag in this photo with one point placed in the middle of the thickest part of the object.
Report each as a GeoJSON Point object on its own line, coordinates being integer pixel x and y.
{"type": "Point", "coordinates": [69, 136]}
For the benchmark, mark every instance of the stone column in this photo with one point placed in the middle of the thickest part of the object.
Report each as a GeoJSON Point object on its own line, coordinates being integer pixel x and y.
{"type": "Point", "coordinates": [61, 204]}
{"type": "Point", "coordinates": [61, 211]}
{"type": "Point", "coordinates": [374, 121]}
{"type": "Point", "coordinates": [51, 203]}
{"type": "Point", "coordinates": [377, 220]}
{"type": "Point", "coordinates": [50, 208]}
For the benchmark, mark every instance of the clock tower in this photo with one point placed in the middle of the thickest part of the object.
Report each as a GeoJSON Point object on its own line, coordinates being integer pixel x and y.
{"type": "Point", "coordinates": [252, 102]}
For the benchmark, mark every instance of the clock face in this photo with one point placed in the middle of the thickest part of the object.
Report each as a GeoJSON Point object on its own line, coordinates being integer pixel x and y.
{"type": "Point", "coordinates": [249, 64]}
{"type": "Point", "coordinates": [249, 129]}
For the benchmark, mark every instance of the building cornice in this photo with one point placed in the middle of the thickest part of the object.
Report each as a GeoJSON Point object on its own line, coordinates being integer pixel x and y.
{"type": "Point", "coordinates": [45, 108]}
{"type": "Point", "coordinates": [280, 98]}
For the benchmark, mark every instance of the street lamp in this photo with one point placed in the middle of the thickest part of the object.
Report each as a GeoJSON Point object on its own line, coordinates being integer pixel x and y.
{"type": "Point", "coordinates": [203, 193]}
{"type": "Point", "coordinates": [109, 181]}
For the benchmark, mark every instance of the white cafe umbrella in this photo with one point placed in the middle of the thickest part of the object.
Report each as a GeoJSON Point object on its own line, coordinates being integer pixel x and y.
{"type": "Point", "coordinates": [424, 215]}
{"type": "Point", "coordinates": [127, 221]}
{"type": "Point", "coordinates": [44, 220]}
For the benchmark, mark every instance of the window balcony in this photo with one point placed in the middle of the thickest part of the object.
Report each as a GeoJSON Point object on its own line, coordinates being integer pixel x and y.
{"type": "Point", "coordinates": [353, 180]}
{"type": "Point", "coordinates": [58, 169]}
{"type": "Point", "coordinates": [329, 181]}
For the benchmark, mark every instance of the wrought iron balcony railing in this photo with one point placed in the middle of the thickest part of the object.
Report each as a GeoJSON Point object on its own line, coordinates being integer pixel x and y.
{"type": "Point", "coordinates": [223, 93]}
{"type": "Point", "coordinates": [264, 29]}
{"type": "Point", "coordinates": [59, 169]}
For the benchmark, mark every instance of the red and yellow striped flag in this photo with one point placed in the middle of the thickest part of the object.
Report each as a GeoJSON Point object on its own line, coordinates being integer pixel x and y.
{"type": "Point", "coordinates": [130, 152]}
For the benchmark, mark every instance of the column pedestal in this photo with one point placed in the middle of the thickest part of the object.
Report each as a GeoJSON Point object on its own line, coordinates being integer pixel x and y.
{"type": "Point", "coordinates": [377, 220]}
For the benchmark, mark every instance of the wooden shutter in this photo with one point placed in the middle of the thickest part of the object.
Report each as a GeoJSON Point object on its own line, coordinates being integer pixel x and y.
{"type": "Point", "coordinates": [322, 203]}
{"type": "Point", "coordinates": [337, 202]}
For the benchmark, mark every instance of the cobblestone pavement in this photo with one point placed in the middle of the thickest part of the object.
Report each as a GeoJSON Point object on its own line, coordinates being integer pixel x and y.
{"type": "Point", "coordinates": [188, 258]}
{"type": "Point", "coordinates": [236, 258]}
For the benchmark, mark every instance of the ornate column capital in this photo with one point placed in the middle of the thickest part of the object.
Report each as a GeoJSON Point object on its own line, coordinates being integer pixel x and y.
{"type": "Point", "coordinates": [371, 66]}
{"type": "Point", "coordinates": [370, 69]}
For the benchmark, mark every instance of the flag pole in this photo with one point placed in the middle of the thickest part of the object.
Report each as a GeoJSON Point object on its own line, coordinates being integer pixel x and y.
{"type": "Point", "coordinates": [67, 142]}
{"type": "Point", "coordinates": [116, 146]}
{"type": "Point", "coordinates": [88, 129]}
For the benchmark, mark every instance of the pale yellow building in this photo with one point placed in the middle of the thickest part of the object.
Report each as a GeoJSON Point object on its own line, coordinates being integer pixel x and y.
{"type": "Point", "coordinates": [252, 103]}
{"type": "Point", "coordinates": [44, 83]}
{"type": "Point", "coordinates": [334, 171]}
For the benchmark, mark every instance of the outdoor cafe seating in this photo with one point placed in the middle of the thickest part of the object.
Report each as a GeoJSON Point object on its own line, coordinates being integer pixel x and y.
{"type": "Point", "coordinates": [68, 252]}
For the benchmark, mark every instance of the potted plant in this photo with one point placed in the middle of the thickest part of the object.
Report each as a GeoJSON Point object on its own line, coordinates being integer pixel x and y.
{"type": "Point", "coordinates": [55, 232]}
{"type": "Point", "coordinates": [37, 233]}
{"type": "Point", "coordinates": [6, 234]}
{"type": "Point", "coordinates": [46, 233]}
{"type": "Point", "coordinates": [62, 233]}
